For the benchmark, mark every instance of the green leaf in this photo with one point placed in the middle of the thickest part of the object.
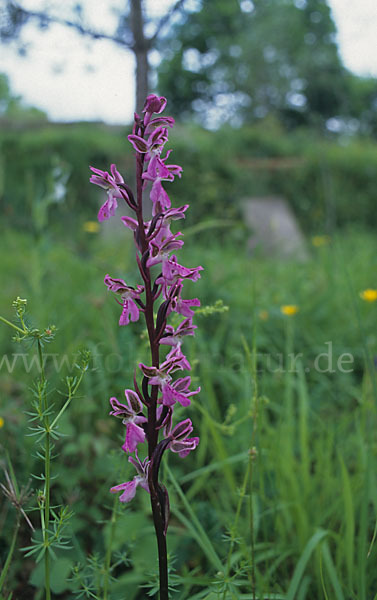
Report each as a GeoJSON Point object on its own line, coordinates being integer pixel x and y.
{"type": "Point", "coordinates": [194, 526]}
{"type": "Point", "coordinates": [60, 572]}
{"type": "Point", "coordinates": [301, 565]}
{"type": "Point", "coordinates": [349, 520]}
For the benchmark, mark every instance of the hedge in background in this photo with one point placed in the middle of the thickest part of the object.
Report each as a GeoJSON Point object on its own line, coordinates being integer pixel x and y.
{"type": "Point", "coordinates": [329, 183]}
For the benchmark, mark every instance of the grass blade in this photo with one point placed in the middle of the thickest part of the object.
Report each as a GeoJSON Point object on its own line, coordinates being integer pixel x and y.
{"type": "Point", "coordinates": [301, 565]}
{"type": "Point", "coordinates": [331, 571]}
{"type": "Point", "coordinates": [349, 520]}
{"type": "Point", "coordinates": [194, 526]}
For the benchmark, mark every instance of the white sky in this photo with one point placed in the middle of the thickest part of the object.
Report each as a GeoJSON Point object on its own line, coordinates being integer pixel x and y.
{"type": "Point", "coordinates": [71, 78]}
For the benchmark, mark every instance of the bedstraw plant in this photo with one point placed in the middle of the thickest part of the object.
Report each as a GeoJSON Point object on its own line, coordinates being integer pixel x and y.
{"type": "Point", "coordinates": [148, 409]}
{"type": "Point", "coordinates": [44, 419]}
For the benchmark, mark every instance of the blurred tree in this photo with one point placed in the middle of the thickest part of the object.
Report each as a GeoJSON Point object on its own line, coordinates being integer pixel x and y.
{"type": "Point", "coordinates": [362, 98]}
{"type": "Point", "coordinates": [130, 32]}
{"type": "Point", "coordinates": [12, 107]}
{"type": "Point", "coordinates": [239, 60]}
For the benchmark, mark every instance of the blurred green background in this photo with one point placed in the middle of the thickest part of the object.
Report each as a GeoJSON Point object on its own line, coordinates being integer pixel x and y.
{"type": "Point", "coordinates": [281, 494]}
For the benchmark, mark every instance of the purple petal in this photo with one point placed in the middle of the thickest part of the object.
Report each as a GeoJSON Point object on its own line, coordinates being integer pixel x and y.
{"type": "Point", "coordinates": [144, 485]}
{"type": "Point", "coordinates": [138, 143]}
{"type": "Point", "coordinates": [170, 396]}
{"type": "Point", "coordinates": [107, 210]}
{"type": "Point", "coordinates": [116, 175]}
{"type": "Point", "coordinates": [175, 213]}
{"type": "Point", "coordinates": [129, 490]}
{"type": "Point", "coordinates": [124, 317]}
{"type": "Point", "coordinates": [157, 138]}
{"type": "Point", "coordinates": [193, 442]}
{"type": "Point", "coordinates": [99, 172]}
{"type": "Point", "coordinates": [133, 310]}
{"type": "Point", "coordinates": [99, 181]}
{"type": "Point", "coordinates": [134, 435]}
{"type": "Point", "coordinates": [169, 340]}
{"type": "Point", "coordinates": [182, 429]}
{"type": "Point", "coordinates": [182, 307]}
{"type": "Point", "coordinates": [172, 271]}
{"type": "Point", "coordinates": [130, 223]}
{"type": "Point", "coordinates": [148, 371]}
{"type": "Point", "coordinates": [116, 285]}
{"type": "Point", "coordinates": [175, 170]}
{"type": "Point", "coordinates": [139, 419]}
{"type": "Point", "coordinates": [158, 194]}
{"type": "Point", "coordinates": [154, 104]}
{"type": "Point", "coordinates": [182, 384]}
{"type": "Point", "coordinates": [133, 401]}
{"type": "Point", "coordinates": [158, 122]}
{"type": "Point", "coordinates": [158, 170]}
{"type": "Point", "coordinates": [119, 409]}
{"type": "Point", "coordinates": [104, 212]}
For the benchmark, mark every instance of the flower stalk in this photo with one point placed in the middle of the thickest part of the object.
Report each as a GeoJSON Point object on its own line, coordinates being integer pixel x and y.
{"type": "Point", "coordinates": [45, 504]}
{"type": "Point", "coordinates": [148, 412]}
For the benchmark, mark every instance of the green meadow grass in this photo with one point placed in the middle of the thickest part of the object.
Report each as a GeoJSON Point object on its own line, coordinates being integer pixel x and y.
{"type": "Point", "coordinates": [280, 498]}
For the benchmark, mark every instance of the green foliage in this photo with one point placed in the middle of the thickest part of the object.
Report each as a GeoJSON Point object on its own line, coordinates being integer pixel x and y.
{"type": "Point", "coordinates": [362, 94]}
{"type": "Point", "coordinates": [44, 175]}
{"type": "Point", "coordinates": [329, 185]}
{"type": "Point", "coordinates": [50, 166]}
{"type": "Point", "coordinates": [281, 490]}
{"type": "Point", "coordinates": [235, 62]}
{"type": "Point", "coordinates": [53, 522]}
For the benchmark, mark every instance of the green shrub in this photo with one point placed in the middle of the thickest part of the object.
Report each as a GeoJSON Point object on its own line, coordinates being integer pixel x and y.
{"type": "Point", "coordinates": [328, 184]}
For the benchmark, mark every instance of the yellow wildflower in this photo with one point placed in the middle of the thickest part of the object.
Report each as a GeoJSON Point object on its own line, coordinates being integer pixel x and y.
{"type": "Point", "coordinates": [1, 422]}
{"type": "Point", "coordinates": [369, 295]}
{"type": "Point", "coordinates": [320, 240]}
{"type": "Point", "coordinates": [91, 227]}
{"type": "Point", "coordinates": [263, 315]}
{"type": "Point", "coordinates": [289, 309]}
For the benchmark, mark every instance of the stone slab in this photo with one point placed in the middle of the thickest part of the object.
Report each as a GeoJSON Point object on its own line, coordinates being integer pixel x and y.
{"type": "Point", "coordinates": [274, 227]}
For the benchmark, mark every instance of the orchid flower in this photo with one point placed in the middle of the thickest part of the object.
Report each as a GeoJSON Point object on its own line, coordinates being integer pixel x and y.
{"type": "Point", "coordinates": [111, 184]}
{"type": "Point", "coordinates": [129, 487]}
{"type": "Point", "coordinates": [131, 418]}
{"type": "Point", "coordinates": [128, 295]}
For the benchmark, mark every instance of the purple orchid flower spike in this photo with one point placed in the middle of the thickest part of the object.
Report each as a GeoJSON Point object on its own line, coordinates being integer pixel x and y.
{"type": "Point", "coordinates": [131, 418]}
{"type": "Point", "coordinates": [148, 410]}
{"type": "Point", "coordinates": [128, 295]}
{"type": "Point", "coordinates": [111, 184]}
{"type": "Point", "coordinates": [129, 487]}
